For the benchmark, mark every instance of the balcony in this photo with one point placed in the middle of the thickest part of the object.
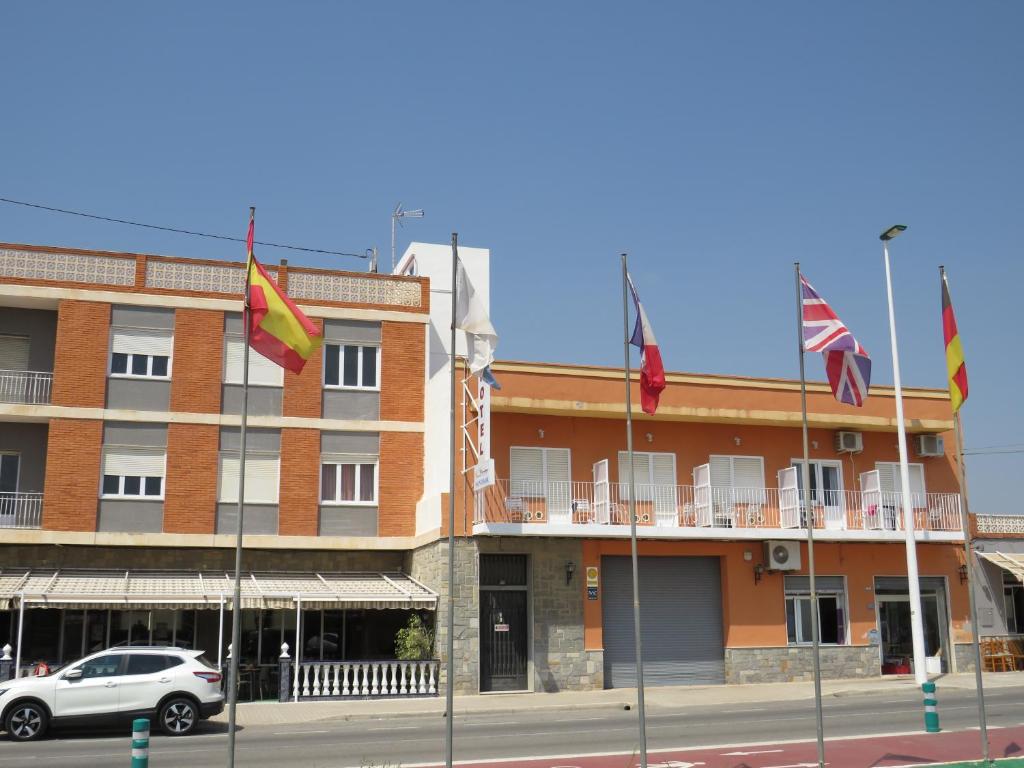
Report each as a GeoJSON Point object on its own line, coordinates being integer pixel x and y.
{"type": "Point", "coordinates": [27, 387]}
{"type": "Point", "coordinates": [602, 509]}
{"type": "Point", "coordinates": [21, 510]}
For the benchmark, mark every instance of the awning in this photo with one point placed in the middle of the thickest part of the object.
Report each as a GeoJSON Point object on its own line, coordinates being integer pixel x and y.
{"type": "Point", "coordinates": [1012, 563]}
{"type": "Point", "coordinates": [94, 589]}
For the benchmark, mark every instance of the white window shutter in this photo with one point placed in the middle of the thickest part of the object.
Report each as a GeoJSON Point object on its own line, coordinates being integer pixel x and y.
{"type": "Point", "coordinates": [917, 479]}
{"type": "Point", "coordinates": [261, 478]}
{"type": "Point", "coordinates": [663, 468]}
{"type": "Point", "coordinates": [557, 460]}
{"type": "Point", "coordinates": [888, 476]}
{"type": "Point", "coordinates": [721, 471]}
{"type": "Point", "coordinates": [133, 461]}
{"type": "Point", "coordinates": [748, 472]}
{"type": "Point", "coordinates": [527, 471]}
{"type": "Point", "coordinates": [13, 353]}
{"type": "Point", "coordinates": [141, 341]}
{"type": "Point", "coordinates": [262, 371]}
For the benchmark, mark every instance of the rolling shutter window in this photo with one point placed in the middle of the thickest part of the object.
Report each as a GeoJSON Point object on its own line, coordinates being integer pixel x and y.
{"type": "Point", "coordinates": [802, 584]}
{"type": "Point", "coordinates": [663, 468]}
{"type": "Point", "coordinates": [889, 478]}
{"type": "Point", "coordinates": [557, 465]}
{"type": "Point", "coordinates": [141, 341]}
{"type": "Point", "coordinates": [540, 472]}
{"type": "Point", "coordinates": [13, 353]}
{"type": "Point", "coordinates": [748, 472]}
{"type": "Point", "coordinates": [641, 470]}
{"type": "Point", "coordinates": [651, 472]}
{"type": "Point", "coordinates": [262, 372]}
{"type": "Point", "coordinates": [132, 461]}
{"type": "Point", "coordinates": [261, 478]}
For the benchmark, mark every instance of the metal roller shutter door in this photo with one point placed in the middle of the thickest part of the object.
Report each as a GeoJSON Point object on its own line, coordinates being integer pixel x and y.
{"type": "Point", "coordinates": [680, 618]}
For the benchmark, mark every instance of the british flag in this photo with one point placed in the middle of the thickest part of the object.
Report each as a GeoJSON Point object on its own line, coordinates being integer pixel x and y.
{"type": "Point", "coordinates": [846, 362]}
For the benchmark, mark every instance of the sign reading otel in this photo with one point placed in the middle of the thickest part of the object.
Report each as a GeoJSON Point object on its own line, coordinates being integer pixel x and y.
{"type": "Point", "coordinates": [483, 474]}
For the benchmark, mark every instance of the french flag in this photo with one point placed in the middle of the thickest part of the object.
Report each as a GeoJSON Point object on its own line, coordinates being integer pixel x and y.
{"type": "Point", "coordinates": [652, 371]}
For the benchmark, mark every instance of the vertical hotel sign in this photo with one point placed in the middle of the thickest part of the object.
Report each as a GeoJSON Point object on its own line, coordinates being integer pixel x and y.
{"type": "Point", "coordinates": [483, 475]}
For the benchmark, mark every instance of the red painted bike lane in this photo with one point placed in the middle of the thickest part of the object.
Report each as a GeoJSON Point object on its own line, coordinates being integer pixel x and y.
{"type": "Point", "coordinates": [872, 752]}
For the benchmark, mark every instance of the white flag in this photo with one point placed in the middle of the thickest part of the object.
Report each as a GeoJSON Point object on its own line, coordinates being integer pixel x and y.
{"type": "Point", "coordinates": [471, 317]}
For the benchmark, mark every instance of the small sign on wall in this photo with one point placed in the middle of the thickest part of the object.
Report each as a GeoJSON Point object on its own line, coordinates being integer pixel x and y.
{"type": "Point", "coordinates": [592, 582]}
{"type": "Point", "coordinates": [501, 627]}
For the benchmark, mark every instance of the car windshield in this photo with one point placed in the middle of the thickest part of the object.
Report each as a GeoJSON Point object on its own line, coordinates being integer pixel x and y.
{"type": "Point", "coordinates": [206, 662]}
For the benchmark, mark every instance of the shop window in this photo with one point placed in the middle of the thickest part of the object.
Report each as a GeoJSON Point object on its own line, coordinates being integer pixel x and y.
{"type": "Point", "coordinates": [831, 610]}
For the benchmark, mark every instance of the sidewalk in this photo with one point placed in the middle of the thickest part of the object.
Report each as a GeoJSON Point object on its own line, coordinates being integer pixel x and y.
{"type": "Point", "coordinates": [657, 699]}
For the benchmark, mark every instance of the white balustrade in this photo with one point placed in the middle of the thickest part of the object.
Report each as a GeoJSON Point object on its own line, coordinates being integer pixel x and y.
{"type": "Point", "coordinates": [370, 679]}
{"type": "Point", "coordinates": [28, 387]}
{"type": "Point", "coordinates": [21, 510]}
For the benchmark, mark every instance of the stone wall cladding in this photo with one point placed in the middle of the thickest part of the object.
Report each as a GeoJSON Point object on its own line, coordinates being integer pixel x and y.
{"type": "Point", "coordinates": [72, 484]}
{"type": "Point", "coordinates": [190, 489]}
{"type": "Point", "coordinates": [303, 392]}
{"type": "Point", "coordinates": [299, 510]}
{"type": "Point", "coordinates": [80, 357]}
{"type": "Point", "coordinates": [197, 368]}
{"type": "Point", "coordinates": [400, 482]}
{"type": "Point", "coordinates": [402, 385]}
{"type": "Point", "coordinates": [429, 565]}
{"type": "Point", "coordinates": [964, 653]}
{"type": "Point", "coordinates": [793, 664]}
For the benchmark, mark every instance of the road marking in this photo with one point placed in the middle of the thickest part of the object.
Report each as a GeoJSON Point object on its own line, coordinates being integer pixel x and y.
{"type": "Point", "coordinates": [757, 752]}
{"type": "Point", "coordinates": [795, 765]}
{"type": "Point", "coordinates": [299, 733]}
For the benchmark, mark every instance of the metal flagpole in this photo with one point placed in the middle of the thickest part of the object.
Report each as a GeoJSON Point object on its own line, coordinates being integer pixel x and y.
{"type": "Point", "coordinates": [913, 584]}
{"type": "Point", "coordinates": [449, 744]}
{"type": "Point", "coordinates": [236, 615]}
{"type": "Point", "coordinates": [632, 524]}
{"type": "Point", "coordinates": [809, 519]}
{"type": "Point", "coordinates": [969, 560]}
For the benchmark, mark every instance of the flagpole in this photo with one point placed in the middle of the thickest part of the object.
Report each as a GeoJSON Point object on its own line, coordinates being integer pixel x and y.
{"type": "Point", "coordinates": [969, 561]}
{"type": "Point", "coordinates": [236, 616]}
{"type": "Point", "coordinates": [913, 584]}
{"type": "Point", "coordinates": [809, 520]}
{"type": "Point", "coordinates": [449, 744]}
{"type": "Point", "coordinates": [632, 523]}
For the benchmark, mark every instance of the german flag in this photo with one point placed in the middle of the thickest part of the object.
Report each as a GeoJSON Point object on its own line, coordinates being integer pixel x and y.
{"type": "Point", "coordinates": [277, 328]}
{"type": "Point", "coordinates": [955, 366]}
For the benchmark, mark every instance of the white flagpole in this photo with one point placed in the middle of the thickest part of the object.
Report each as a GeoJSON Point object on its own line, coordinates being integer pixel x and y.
{"type": "Point", "coordinates": [913, 584]}
{"type": "Point", "coordinates": [971, 569]}
{"type": "Point", "coordinates": [449, 744]}
{"type": "Point", "coordinates": [236, 615]}
{"type": "Point", "coordinates": [809, 521]}
{"type": "Point", "coordinates": [632, 524]}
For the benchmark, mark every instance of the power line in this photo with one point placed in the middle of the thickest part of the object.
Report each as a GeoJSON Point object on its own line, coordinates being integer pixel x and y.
{"type": "Point", "coordinates": [982, 452]}
{"type": "Point", "coordinates": [180, 231]}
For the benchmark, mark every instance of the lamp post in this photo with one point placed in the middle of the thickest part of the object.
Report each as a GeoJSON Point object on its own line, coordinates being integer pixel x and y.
{"type": "Point", "coordinates": [913, 584]}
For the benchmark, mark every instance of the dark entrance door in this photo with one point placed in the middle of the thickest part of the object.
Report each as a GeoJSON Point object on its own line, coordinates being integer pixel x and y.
{"type": "Point", "coordinates": [503, 639]}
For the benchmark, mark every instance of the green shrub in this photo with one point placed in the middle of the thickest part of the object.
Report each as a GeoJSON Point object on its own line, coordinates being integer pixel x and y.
{"type": "Point", "coordinates": [414, 641]}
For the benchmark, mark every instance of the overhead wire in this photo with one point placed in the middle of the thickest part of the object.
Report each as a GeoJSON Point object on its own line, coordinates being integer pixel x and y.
{"type": "Point", "coordinates": [191, 232]}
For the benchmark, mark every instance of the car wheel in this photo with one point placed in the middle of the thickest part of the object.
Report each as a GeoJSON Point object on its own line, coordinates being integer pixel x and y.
{"type": "Point", "coordinates": [26, 721]}
{"type": "Point", "coordinates": [178, 717]}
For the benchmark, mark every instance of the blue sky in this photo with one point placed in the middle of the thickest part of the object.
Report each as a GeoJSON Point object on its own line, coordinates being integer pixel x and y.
{"type": "Point", "coordinates": [716, 142]}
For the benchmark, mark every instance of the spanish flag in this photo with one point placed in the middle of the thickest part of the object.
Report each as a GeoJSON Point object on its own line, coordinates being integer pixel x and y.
{"type": "Point", "coordinates": [277, 328]}
{"type": "Point", "coordinates": [955, 366]}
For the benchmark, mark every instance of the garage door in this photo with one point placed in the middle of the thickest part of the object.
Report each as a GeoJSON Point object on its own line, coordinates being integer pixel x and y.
{"type": "Point", "coordinates": [680, 620]}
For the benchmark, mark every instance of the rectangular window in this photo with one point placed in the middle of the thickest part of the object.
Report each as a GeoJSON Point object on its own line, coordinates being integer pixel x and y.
{"type": "Point", "coordinates": [9, 466]}
{"type": "Point", "coordinates": [349, 480]}
{"type": "Point", "coordinates": [1013, 601]}
{"type": "Point", "coordinates": [140, 352]}
{"type": "Point", "coordinates": [654, 475]}
{"type": "Point", "coordinates": [542, 473]}
{"type": "Point", "coordinates": [133, 472]}
{"type": "Point", "coordinates": [831, 610]}
{"type": "Point", "coordinates": [351, 366]}
{"type": "Point", "coordinates": [261, 477]}
{"type": "Point", "coordinates": [13, 353]}
{"type": "Point", "coordinates": [262, 372]}
{"type": "Point", "coordinates": [890, 480]}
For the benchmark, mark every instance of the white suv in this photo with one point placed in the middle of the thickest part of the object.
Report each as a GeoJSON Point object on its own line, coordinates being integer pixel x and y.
{"type": "Point", "coordinates": [177, 687]}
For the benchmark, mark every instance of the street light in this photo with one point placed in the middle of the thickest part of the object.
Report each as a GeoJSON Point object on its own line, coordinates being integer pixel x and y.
{"type": "Point", "coordinates": [913, 585]}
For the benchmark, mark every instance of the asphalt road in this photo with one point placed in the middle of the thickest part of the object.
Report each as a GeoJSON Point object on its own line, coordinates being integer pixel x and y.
{"type": "Point", "coordinates": [414, 740]}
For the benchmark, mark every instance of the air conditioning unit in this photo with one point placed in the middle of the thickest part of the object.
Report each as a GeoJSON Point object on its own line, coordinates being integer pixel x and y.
{"type": "Point", "coordinates": [782, 555]}
{"type": "Point", "coordinates": [929, 445]}
{"type": "Point", "coordinates": [849, 442]}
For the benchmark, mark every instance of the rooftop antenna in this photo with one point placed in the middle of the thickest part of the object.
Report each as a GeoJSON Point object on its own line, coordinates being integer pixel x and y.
{"type": "Point", "coordinates": [396, 219]}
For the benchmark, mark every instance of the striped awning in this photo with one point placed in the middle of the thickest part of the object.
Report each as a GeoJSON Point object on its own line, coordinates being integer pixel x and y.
{"type": "Point", "coordinates": [94, 589]}
{"type": "Point", "coordinates": [1008, 562]}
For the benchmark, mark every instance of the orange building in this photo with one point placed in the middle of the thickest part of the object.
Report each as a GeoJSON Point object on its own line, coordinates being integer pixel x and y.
{"type": "Point", "coordinates": [722, 539]}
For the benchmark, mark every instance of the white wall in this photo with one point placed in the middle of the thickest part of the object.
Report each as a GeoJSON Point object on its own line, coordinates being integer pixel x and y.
{"type": "Point", "coordinates": [435, 262]}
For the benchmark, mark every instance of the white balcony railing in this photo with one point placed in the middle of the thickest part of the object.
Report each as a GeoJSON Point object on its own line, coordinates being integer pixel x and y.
{"type": "Point", "coordinates": [30, 387]}
{"type": "Point", "coordinates": [338, 679]}
{"type": "Point", "coordinates": [21, 510]}
{"type": "Point", "coordinates": [687, 506]}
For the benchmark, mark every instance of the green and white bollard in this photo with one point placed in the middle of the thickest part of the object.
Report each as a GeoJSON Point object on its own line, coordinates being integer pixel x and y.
{"type": "Point", "coordinates": [931, 709]}
{"type": "Point", "coordinates": [140, 743]}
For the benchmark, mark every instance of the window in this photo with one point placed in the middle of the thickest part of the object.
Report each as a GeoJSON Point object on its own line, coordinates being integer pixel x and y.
{"type": "Point", "coordinates": [541, 473]}
{"type": "Point", "coordinates": [101, 666]}
{"type": "Point", "coordinates": [351, 366]}
{"type": "Point", "coordinates": [262, 372]}
{"type": "Point", "coordinates": [261, 477]}
{"type": "Point", "coordinates": [826, 481]}
{"type": "Point", "coordinates": [654, 475]}
{"type": "Point", "coordinates": [13, 353]}
{"type": "Point", "coordinates": [9, 466]}
{"type": "Point", "coordinates": [831, 609]}
{"type": "Point", "coordinates": [145, 664]}
{"type": "Point", "coordinates": [140, 353]}
{"type": "Point", "coordinates": [891, 484]}
{"type": "Point", "coordinates": [737, 480]}
{"type": "Point", "coordinates": [349, 480]}
{"type": "Point", "coordinates": [133, 472]}
{"type": "Point", "coordinates": [1013, 601]}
